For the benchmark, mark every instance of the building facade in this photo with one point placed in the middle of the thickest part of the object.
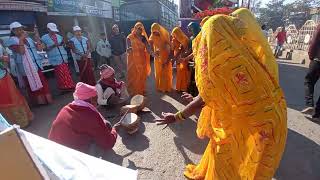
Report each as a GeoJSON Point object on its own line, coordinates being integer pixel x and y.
{"type": "Point", "coordinates": [164, 12]}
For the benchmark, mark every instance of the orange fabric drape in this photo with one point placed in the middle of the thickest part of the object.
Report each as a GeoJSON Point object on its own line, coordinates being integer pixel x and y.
{"type": "Point", "coordinates": [163, 67]}
{"type": "Point", "coordinates": [13, 105]}
{"type": "Point", "coordinates": [179, 43]}
{"type": "Point", "coordinates": [138, 62]}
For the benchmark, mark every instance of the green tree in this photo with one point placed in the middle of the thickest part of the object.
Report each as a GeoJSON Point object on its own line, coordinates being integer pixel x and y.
{"type": "Point", "coordinates": [273, 15]}
{"type": "Point", "coordinates": [276, 13]}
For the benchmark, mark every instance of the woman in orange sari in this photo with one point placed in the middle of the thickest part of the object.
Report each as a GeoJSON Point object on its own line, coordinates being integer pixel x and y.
{"type": "Point", "coordinates": [160, 42]}
{"type": "Point", "coordinates": [179, 44]}
{"type": "Point", "coordinates": [138, 60]}
{"type": "Point", "coordinates": [13, 105]}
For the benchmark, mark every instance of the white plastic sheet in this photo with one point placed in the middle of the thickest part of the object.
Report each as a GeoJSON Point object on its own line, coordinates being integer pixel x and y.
{"type": "Point", "coordinates": [69, 164]}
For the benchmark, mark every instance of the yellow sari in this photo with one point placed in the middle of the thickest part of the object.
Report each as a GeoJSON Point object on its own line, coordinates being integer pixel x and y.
{"type": "Point", "coordinates": [163, 67]}
{"type": "Point", "coordinates": [180, 43]}
{"type": "Point", "coordinates": [245, 115]}
{"type": "Point", "coordinates": [138, 62]}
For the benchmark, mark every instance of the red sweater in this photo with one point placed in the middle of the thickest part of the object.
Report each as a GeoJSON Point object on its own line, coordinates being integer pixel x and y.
{"type": "Point", "coordinates": [77, 127]}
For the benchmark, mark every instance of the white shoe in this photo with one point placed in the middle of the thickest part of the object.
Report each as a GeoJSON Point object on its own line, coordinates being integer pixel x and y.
{"type": "Point", "coordinates": [308, 110]}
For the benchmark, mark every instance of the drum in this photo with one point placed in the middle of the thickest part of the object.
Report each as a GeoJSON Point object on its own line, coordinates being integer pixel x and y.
{"type": "Point", "coordinates": [139, 101]}
{"type": "Point", "coordinates": [129, 109]}
{"type": "Point", "coordinates": [131, 123]}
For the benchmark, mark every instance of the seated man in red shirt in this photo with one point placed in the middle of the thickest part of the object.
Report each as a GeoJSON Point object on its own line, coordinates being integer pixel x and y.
{"type": "Point", "coordinates": [281, 39]}
{"type": "Point", "coordinates": [79, 124]}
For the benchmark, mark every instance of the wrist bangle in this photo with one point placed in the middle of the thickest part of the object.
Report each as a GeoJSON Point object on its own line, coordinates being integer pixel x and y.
{"type": "Point", "coordinates": [179, 116]}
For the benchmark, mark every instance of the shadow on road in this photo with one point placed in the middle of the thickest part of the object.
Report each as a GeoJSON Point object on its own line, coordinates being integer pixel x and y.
{"type": "Point", "coordinates": [137, 141]}
{"type": "Point", "coordinates": [133, 166]}
{"type": "Point", "coordinates": [301, 159]}
{"type": "Point", "coordinates": [185, 132]}
{"type": "Point", "coordinates": [292, 83]}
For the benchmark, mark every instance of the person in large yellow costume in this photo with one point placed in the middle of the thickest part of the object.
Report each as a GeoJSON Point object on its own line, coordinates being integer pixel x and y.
{"type": "Point", "coordinates": [138, 60]}
{"type": "Point", "coordinates": [244, 111]}
{"type": "Point", "coordinates": [160, 42]}
{"type": "Point", "coordinates": [179, 44]}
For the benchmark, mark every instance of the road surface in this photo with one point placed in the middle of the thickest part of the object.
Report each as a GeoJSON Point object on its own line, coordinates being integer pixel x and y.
{"type": "Point", "coordinates": [163, 153]}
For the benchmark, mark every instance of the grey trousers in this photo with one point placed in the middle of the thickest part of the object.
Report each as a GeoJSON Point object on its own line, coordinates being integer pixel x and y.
{"type": "Point", "coordinates": [120, 65]}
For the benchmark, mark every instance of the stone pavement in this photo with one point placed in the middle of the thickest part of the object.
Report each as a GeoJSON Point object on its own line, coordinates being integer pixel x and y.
{"type": "Point", "coordinates": [163, 153]}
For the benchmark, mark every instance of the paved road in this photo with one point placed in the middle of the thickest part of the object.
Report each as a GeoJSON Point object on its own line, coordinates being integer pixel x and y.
{"type": "Point", "coordinates": [162, 154]}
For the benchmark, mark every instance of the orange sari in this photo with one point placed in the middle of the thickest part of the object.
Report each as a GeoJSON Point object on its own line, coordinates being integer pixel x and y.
{"type": "Point", "coordinates": [162, 65]}
{"type": "Point", "coordinates": [138, 63]}
{"type": "Point", "coordinates": [179, 43]}
{"type": "Point", "coordinates": [13, 105]}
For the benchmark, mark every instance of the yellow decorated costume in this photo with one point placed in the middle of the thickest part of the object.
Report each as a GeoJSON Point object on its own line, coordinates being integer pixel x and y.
{"type": "Point", "coordinates": [179, 44]}
{"type": "Point", "coordinates": [245, 114]}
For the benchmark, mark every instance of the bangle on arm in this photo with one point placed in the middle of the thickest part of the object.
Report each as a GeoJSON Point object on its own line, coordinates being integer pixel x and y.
{"type": "Point", "coordinates": [179, 116]}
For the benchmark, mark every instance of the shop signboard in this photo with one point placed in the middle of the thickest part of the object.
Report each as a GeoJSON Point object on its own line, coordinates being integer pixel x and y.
{"type": "Point", "coordinates": [22, 6]}
{"type": "Point", "coordinates": [97, 8]}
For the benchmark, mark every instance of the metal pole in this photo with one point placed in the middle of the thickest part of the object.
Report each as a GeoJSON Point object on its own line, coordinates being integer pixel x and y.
{"type": "Point", "coordinates": [249, 2]}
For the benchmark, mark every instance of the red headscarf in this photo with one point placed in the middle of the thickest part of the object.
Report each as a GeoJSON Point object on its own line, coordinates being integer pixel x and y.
{"type": "Point", "coordinates": [105, 73]}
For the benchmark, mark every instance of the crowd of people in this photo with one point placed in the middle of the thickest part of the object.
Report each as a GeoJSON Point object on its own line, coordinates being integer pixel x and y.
{"type": "Point", "coordinates": [226, 66]}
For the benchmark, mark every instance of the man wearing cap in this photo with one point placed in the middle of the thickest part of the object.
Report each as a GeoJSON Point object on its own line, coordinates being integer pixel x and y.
{"type": "Point", "coordinates": [81, 52]}
{"type": "Point", "coordinates": [28, 65]}
{"type": "Point", "coordinates": [57, 55]}
{"type": "Point", "coordinates": [79, 124]}
{"type": "Point", "coordinates": [110, 91]}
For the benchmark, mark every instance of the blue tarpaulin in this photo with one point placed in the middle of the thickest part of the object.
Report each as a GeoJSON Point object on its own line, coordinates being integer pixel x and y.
{"type": "Point", "coordinates": [24, 17]}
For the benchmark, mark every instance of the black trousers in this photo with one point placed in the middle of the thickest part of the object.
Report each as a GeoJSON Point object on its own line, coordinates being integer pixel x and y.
{"type": "Point", "coordinates": [309, 83]}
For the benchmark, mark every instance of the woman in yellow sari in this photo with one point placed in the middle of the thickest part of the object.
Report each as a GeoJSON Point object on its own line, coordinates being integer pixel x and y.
{"type": "Point", "coordinates": [138, 60]}
{"type": "Point", "coordinates": [179, 44]}
{"type": "Point", "coordinates": [160, 42]}
{"type": "Point", "coordinates": [244, 113]}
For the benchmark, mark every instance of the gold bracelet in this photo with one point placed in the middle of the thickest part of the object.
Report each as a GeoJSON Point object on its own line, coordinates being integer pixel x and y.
{"type": "Point", "coordinates": [180, 116]}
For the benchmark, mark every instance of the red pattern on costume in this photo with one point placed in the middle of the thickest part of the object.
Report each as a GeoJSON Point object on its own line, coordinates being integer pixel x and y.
{"type": "Point", "coordinates": [41, 92]}
{"type": "Point", "coordinates": [241, 79]}
{"type": "Point", "coordinates": [204, 56]}
{"type": "Point", "coordinates": [87, 74]}
{"type": "Point", "coordinates": [63, 76]}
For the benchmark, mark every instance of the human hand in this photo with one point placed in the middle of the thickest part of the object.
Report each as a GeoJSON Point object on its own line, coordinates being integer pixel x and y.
{"type": "Point", "coordinates": [167, 118]}
{"type": "Point", "coordinates": [157, 53]}
{"type": "Point", "coordinates": [187, 97]}
{"type": "Point", "coordinates": [129, 49]}
{"type": "Point", "coordinates": [5, 58]}
{"type": "Point", "coordinates": [117, 126]}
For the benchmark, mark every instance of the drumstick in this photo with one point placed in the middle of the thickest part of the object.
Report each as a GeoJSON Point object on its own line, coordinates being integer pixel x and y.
{"type": "Point", "coordinates": [123, 116]}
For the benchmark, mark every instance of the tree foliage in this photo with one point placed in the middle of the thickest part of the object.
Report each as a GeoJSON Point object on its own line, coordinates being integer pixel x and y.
{"type": "Point", "coordinates": [276, 13]}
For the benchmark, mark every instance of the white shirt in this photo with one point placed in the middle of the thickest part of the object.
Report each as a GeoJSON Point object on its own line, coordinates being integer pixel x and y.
{"type": "Point", "coordinates": [103, 97]}
{"type": "Point", "coordinates": [104, 48]}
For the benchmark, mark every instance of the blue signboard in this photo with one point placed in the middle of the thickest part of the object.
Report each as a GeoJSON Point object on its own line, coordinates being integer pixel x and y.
{"type": "Point", "coordinates": [98, 8]}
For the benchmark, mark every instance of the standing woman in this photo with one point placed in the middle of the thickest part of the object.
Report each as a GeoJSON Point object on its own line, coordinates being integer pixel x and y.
{"type": "Point", "coordinates": [180, 44]}
{"type": "Point", "coordinates": [194, 29]}
{"type": "Point", "coordinates": [58, 57]}
{"type": "Point", "coordinates": [160, 42]}
{"type": "Point", "coordinates": [138, 59]}
{"type": "Point", "coordinates": [29, 64]}
{"type": "Point", "coordinates": [13, 105]}
{"type": "Point", "coordinates": [82, 56]}
{"type": "Point", "coordinates": [247, 126]}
